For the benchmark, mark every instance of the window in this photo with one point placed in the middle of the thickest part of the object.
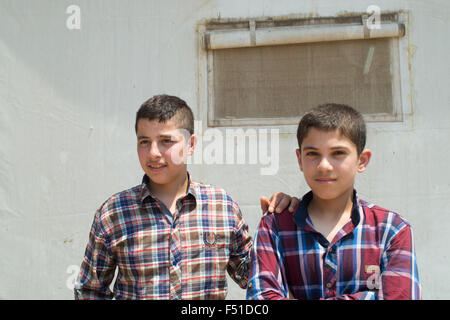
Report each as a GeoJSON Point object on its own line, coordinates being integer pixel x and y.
{"type": "Point", "coordinates": [269, 72]}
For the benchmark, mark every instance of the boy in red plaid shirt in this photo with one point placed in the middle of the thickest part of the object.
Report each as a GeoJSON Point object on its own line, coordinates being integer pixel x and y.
{"type": "Point", "coordinates": [335, 245]}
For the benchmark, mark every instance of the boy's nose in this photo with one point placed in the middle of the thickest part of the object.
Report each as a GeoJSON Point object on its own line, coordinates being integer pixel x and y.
{"type": "Point", "coordinates": [324, 165]}
{"type": "Point", "coordinates": [154, 151]}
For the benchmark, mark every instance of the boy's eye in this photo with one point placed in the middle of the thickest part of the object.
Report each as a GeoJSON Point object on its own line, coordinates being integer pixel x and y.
{"type": "Point", "coordinates": [339, 153]}
{"type": "Point", "coordinates": [311, 153]}
{"type": "Point", "coordinates": [168, 141]}
{"type": "Point", "coordinates": [143, 143]}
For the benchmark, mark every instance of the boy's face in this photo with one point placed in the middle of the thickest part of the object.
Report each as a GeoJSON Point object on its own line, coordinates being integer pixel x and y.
{"type": "Point", "coordinates": [162, 149]}
{"type": "Point", "coordinates": [329, 162]}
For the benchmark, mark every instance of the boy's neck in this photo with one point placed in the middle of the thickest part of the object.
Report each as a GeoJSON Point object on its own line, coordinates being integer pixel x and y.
{"type": "Point", "coordinates": [329, 216]}
{"type": "Point", "coordinates": [169, 193]}
{"type": "Point", "coordinates": [331, 209]}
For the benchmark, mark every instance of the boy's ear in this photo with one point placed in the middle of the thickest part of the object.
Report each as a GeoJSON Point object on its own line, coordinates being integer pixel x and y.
{"type": "Point", "coordinates": [299, 159]}
{"type": "Point", "coordinates": [364, 159]}
{"type": "Point", "coordinates": [192, 144]}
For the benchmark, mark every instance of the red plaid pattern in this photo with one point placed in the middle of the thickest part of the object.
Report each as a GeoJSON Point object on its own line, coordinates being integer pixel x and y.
{"type": "Point", "coordinates": [371, 257]}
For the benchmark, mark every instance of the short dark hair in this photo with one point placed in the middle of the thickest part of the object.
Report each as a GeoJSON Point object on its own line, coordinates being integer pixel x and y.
{"type": "Point", "coordinates": [332, 116]}
{"type": "Point", "coordinates": [163, 108]}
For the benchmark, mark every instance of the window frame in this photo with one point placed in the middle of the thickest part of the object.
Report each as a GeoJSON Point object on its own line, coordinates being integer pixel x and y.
{"type": "Point", "coordinates": [399, 59]}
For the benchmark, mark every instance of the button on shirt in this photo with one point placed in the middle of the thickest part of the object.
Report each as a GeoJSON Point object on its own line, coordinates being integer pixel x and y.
{"type": "Point", "coordinates": [371, 257]}
{"type": "Point", "coordinates": [164, 255]}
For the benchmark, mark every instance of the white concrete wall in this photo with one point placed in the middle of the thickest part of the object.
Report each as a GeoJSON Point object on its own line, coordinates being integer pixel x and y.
{"type": "Point", "coordinates": [67, 105]}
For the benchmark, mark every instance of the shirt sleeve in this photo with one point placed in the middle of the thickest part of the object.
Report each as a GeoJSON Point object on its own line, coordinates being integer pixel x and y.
{"type": "Point", "coordinates": [239, 262]}
{"type": "Point", "coordinates": [98, 267]}
{"type": "Point", "coordinates": [361, 295]}
{"type": "Point", "coordinates": [399, 276]}
{"type": "Point", "coordinates": [267, 277]}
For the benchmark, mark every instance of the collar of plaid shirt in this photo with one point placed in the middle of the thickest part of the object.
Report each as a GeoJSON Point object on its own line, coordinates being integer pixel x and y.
{"type": "Point", "coordinates": [145, 190]}
{"type": "Point", "coordinates": [302, 219]}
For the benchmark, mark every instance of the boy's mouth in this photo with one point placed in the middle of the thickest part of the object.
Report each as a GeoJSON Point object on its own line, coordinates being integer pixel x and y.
{"type": "Point", "coordinates": [325, 180]}
{"type": "Point", "coordinates": [156, 167]}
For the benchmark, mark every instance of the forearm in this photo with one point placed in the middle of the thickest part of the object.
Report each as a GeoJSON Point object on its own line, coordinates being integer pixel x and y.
{"type": "Point", "coordinates": [265, 287]}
